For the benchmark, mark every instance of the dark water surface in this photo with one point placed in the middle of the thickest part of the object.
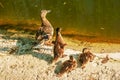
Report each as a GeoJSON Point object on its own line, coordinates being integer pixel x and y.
{"type": "Point", "coordinates": [94, 18]}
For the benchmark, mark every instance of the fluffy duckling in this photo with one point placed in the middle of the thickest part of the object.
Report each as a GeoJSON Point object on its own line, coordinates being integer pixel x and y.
{"type": "Point", "coordinates": [58, 52]}
{"type": "Point", "coordinates": [105, 60]}
{"type": "Point", "coordinates": [59, 40]}
{"type": "Point", "coordinates": [85, 57]}
{"type": "Point", "coordinates": [59, 45]}
{"type": "Point", "coordinates": [67, 66]}
{"type": "Point", "coordinates": [46, 30]}
{"type": "Point", "coordinates": [59, 37]}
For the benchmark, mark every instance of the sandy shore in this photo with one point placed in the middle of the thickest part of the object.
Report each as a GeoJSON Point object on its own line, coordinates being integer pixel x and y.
{"type": "Point", "coordinates": [19, 62]}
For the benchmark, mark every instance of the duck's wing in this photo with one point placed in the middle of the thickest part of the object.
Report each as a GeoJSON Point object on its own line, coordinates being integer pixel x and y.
{"type": "Point", "coordinates": [74, 64]}
{"type": "Point", "coordinates": [39, 32]}
{"type": "Point", "coordinates": [48, 30]}
{"type": "Point", "coordinates": [82, 58]}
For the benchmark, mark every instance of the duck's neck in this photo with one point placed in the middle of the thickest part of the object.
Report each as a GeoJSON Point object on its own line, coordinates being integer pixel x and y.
{"type": "Point", "coordinates": [59, 37]}
{"type": "Point", "coordinates": [45, 21]}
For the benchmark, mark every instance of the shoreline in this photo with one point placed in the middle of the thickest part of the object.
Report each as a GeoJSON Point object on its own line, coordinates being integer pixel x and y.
{"type": "Point", "coordinates": [96, 47]}
{"type": "Point", "coordinates": [30, 26]}
{"type": "Point", "coordinates": [72, 43]}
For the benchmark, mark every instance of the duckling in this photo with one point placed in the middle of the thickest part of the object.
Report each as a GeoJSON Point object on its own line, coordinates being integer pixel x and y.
{"type": "Point", "coordinates": [67, 66]}
{"type": "Point", "coordinates": [59, 37]}
{"type": "Point", "coordinates": [85, 57]}
{"type": "Point", "coordinates": [58, 52]}
{"type": "Point", "coordinates": [59, 46]}
{"type": "Point", "coordinates": [59, 40]}
{"type": "Point", "coordinates": [46, 30]}
{"type": "Point", "coordinates": [105, 60]}
{"type": "Point", "coordinates": [91, 56]}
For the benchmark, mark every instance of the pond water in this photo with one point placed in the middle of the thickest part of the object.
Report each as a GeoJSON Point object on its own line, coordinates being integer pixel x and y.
{"type": "Point", "coordinates": [93, 18]}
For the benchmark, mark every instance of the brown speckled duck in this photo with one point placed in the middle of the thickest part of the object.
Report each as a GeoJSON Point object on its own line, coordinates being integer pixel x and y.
{"type": "Point", "coordinates": [105, 60]}
{"type": "Point", "coordinates": [67, 66]}
{"type": "Point", "coordinates": [46, 30]}
{"type": "Point", "coordinates": [59, 45]}
{"type": "Point", "coordinates": [85, 57]}
{"type": "Point", "coordinates": [59, 37]}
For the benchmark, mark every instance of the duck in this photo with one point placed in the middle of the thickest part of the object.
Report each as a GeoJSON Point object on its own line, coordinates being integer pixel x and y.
{"type": "Point", "coordinates": [105, 60]}
{"type": "Point", "coordinates": [67, 66]}
{"type": "Point", "coordinates": [85, 57]}
{"type": "Point", "coordinates": [46, 30]}
{"type": "Point", "coordinates": [59, 45]}
{"type": "Point", "coordinates": [59, 37]}
{"type": "Point", "coordinates": [58, 52]}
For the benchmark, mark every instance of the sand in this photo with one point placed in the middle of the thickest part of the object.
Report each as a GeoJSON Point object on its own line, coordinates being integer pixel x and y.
{"type": "Point", "coordinates": [19, 61]}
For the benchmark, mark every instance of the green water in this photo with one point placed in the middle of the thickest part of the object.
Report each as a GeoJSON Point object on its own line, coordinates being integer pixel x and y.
{"type": "Point", "coordinates": [86, 17]}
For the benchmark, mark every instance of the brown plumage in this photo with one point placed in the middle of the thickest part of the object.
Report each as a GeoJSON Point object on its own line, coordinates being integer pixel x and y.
{"type": "Point", "coordinates": [46, 30]}
{"type": "Point", "coordinates": [105, 60]}
{"type": "Point", "coordinates": [85, 57]}
{"type": "Point", "coordinates": [59, 45]}
{"type": "Point", "coordinates": [67, 66]}
{"type": "Point", "coordinates": [59, 37]}
{"type": "Point", "coordinates": [58, 52]}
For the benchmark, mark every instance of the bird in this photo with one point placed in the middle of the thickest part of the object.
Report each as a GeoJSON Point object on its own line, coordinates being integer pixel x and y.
{"type": "Point", "coordinates": [85, 57]}
{"type": "Point", "coordinates": [105, 60]}
{"type": "Point", "coordinates": [46, 30]}
{"type": "Point", "coordinates": [59, 37]}
{"type": "Point", "coordinates": [59, 45]}
{"type": "Point", "coordinates": [67, 66]}
{"type": "Point", "coordinates": [58, 52]}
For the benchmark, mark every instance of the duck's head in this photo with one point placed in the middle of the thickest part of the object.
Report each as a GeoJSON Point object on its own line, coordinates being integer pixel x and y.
{"type": "Point", "coordinates": [71, 58]}
{"type": "Point", "coordinates": [58, 29]}
{"type": "Point", "coordinates": [85, 50]}
{"type": "Point", "coordinates": [44, 12]}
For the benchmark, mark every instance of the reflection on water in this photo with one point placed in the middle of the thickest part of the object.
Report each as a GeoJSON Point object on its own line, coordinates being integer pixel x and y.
{"type": "Point", "coordinates": [76, 17]}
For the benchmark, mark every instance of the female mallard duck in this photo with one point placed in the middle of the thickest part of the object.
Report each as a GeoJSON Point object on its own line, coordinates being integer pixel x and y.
{"type": "Point", "coordinates": [46, 30]}
{"type": "Point", "coordinates": [67, 66]}
{"type": "Point", "coordinates": [59, 45]}
{"type": "Point", "coordinates": [85, 57]}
